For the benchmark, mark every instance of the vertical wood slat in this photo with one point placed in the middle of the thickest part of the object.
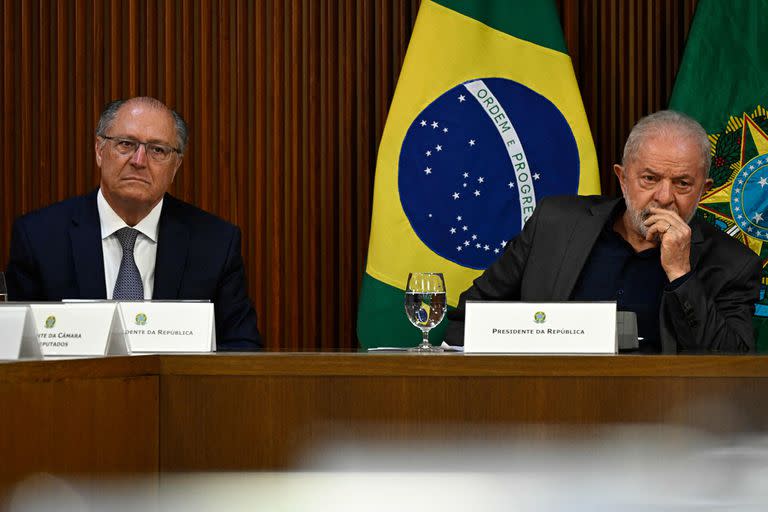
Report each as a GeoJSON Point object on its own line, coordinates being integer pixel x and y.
{"type": "Point", "coordinates": [24, 46]}
{"type": "Point", "coordinates": [286, 101]}
{"type": "Point", "coordinates": [293, 205]}
{"type": "Point", "coordinates": [7, 152]}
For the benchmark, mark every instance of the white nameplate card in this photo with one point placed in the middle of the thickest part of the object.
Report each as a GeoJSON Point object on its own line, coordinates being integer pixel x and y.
{"type": "Point", "coordinates": [72, 329]}
{"type": "Point", "coordinates": [540, 328]}
{"type": "Point", "coordinates": [19, 338]}
{"type": "Point", "coordinates": [169, 326]}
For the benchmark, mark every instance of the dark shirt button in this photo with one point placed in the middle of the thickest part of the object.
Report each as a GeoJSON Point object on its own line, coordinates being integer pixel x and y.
{"type": "Point", "coordinates": [620, 293]}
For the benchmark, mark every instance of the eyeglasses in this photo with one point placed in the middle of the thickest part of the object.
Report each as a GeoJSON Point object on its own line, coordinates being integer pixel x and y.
{"type": "Point", "coordinates": [159, 153]}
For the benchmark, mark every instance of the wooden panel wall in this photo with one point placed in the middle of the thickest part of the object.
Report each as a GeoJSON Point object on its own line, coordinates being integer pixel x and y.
{"type": "Point", "coordinates": [626, 54]}
{"type": "Point", "coordinates": [286, 100]}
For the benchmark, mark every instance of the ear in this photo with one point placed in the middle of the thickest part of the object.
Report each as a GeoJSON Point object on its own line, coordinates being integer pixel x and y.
{"type": "Point", "coordinates": [176, 167]}
{"type": "Point", "coordinates": [619, 172]}
{"type": "Point", "coordinates": [98, 147]}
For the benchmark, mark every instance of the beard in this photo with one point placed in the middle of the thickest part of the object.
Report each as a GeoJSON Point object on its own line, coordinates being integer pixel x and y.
{"type": "Point", "coordinates": [638, 217]}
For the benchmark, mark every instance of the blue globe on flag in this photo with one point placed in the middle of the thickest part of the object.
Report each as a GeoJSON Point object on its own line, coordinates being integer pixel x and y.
{"type": "Point", "coordinates": [475, 162]}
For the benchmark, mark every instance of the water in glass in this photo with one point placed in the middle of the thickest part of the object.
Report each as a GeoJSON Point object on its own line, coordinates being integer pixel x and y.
{"type": "Point", "coordinates": [425, 305]}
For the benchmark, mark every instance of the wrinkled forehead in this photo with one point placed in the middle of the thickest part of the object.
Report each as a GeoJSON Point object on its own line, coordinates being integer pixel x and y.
{"type": "Point", "coordinates": [145, 121]}
{"type": "Point", "coordinates": [672, 151]}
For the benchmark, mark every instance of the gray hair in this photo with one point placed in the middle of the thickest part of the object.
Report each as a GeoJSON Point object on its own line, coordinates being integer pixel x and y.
{"type": "Point", "coordinates": [670, 123]}
{"type": "Point", "coordinates": [110, 112]}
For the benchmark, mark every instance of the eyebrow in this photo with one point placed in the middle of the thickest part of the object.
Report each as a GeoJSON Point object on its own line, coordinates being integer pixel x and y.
{"type": "Point", "coordinates": [150, 141]}
{"type": "Point", "coordinates": [678, 177]}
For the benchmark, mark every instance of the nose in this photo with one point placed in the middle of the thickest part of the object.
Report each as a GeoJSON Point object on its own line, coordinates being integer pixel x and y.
{"type": "Point", "coordinates": [139, 158]}
{"type": "Point", "coordinates": [663, 194]}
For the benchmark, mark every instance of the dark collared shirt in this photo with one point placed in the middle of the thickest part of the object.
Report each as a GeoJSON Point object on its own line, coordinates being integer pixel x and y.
{"type": "Point", "coordinates": [635, 280]}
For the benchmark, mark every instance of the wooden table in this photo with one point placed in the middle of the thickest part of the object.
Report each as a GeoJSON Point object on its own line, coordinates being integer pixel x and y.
{"type": "Point", "coordinates": [155, 414]}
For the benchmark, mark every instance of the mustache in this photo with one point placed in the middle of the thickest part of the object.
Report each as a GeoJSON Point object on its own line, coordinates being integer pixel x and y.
{"type": "Point", "coordinates": [646, 212]}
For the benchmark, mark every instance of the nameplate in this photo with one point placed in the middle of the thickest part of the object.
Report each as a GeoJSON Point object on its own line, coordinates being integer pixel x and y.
{"type": "Point", "coordinates": [19, 337]}
{"type": "Point", "coordinates": [152, 327]}
{"type": "Point", "coordinates": [74, 329]}
{"type": "Point", "coordinates": [540, 328]}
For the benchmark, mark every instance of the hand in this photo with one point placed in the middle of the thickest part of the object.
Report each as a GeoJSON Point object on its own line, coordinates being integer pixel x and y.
{"type": "Point", "coordinates": [675, 236]}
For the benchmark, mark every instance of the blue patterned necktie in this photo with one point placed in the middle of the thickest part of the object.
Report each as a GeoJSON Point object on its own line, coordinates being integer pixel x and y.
{"type": "Point", "coordinates": [128, 285]}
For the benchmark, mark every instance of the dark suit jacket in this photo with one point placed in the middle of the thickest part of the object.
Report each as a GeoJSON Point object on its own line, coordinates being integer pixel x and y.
{"type": "Point", "coordinates": [56, 254]}
{"type": "Point", "coordinates": [710, 312]}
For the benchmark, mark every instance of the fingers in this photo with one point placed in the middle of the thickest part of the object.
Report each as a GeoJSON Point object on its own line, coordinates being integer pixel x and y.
{"type": "Point", "coordinates": [674, 236]}
{"type": "Point", "coordinates": [661, 222]}
{"type": "Point", "coordinates": [659, 214]}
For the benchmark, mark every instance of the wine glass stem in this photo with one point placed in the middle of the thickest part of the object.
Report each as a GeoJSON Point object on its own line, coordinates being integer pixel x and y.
{"type": "Point", "coordinates": [425, 338]}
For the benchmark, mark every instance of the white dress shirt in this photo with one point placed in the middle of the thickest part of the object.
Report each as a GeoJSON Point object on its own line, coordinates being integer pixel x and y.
{"type": "Point", "coordinates": [144, 252]}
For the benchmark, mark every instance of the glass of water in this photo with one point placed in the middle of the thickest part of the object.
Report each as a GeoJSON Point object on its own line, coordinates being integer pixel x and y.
{"type": "Point", "coordinates": [425, 305]}
{"type": "Point", "coordinates": [3, 289]}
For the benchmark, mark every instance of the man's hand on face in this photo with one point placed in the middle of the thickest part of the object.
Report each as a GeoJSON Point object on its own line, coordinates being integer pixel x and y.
{"type": "Point", "coordinates": [675, 236]}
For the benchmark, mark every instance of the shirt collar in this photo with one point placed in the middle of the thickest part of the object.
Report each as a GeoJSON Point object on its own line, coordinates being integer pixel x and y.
{"type": "Point", "coordinates": [111, 221]}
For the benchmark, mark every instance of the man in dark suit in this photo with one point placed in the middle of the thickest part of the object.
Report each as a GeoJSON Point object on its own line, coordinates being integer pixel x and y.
{"type": "Point", "coordinates": [692, 286]}
{"type": "Point", "coordinates": [130, 239]}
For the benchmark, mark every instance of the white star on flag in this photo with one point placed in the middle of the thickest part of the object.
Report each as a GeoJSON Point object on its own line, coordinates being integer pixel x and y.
{"type": "Point", "coordinates": [439, 147]}
{"type": "Point", "coordinates": [461, 98]}
{"type": "Point", "coordinates": [428, 170]}
{"type": "Point", "coordinates": [758, 217]}
{"type": "Point", "coordinates": [472, 142]}
{"type": "Point", "coordinates": [536, 176]}
{"type": "Point", "coordinates": [455, 195]}
{"type": "Point", "coordinates": [423, 123]}
{"type": "Point", "coordinates": [477, 193]}
{"type": "Point", "coordinates": [453, 231]}
{"type": "Point", "coordinates": [480, 179]}
{"type": "Point", "coordinates": [434, 124]}
{"type": "Point", "coordinates": [763, 182]}
{"type": "Point", "coordinates": [466, 175]}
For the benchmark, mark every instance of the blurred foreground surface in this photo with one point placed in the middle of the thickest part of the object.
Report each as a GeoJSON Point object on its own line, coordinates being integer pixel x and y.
{"type": "Point", "coordinates": [626, 468]}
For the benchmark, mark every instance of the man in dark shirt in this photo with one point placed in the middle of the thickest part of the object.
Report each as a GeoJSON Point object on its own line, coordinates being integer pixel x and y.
{"type": "Point", "coordinates": [692, 287]}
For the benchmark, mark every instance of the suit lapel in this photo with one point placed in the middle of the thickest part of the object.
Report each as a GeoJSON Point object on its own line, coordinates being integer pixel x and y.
{"type": "Point", "coordinates": [697, 239]}
{"type": "Point", "coordinates": [85, 237]}
{"type": "Point", "coordinates": [172, 248]}
{"type": "Point", "coordinates": [582, 238]}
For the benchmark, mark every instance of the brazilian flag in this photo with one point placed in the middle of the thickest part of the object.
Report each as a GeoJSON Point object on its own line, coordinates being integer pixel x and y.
{"type": "Point", "coordinates": [486, 120]}
{"type": "Point", "coordinates": [723, 83]}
